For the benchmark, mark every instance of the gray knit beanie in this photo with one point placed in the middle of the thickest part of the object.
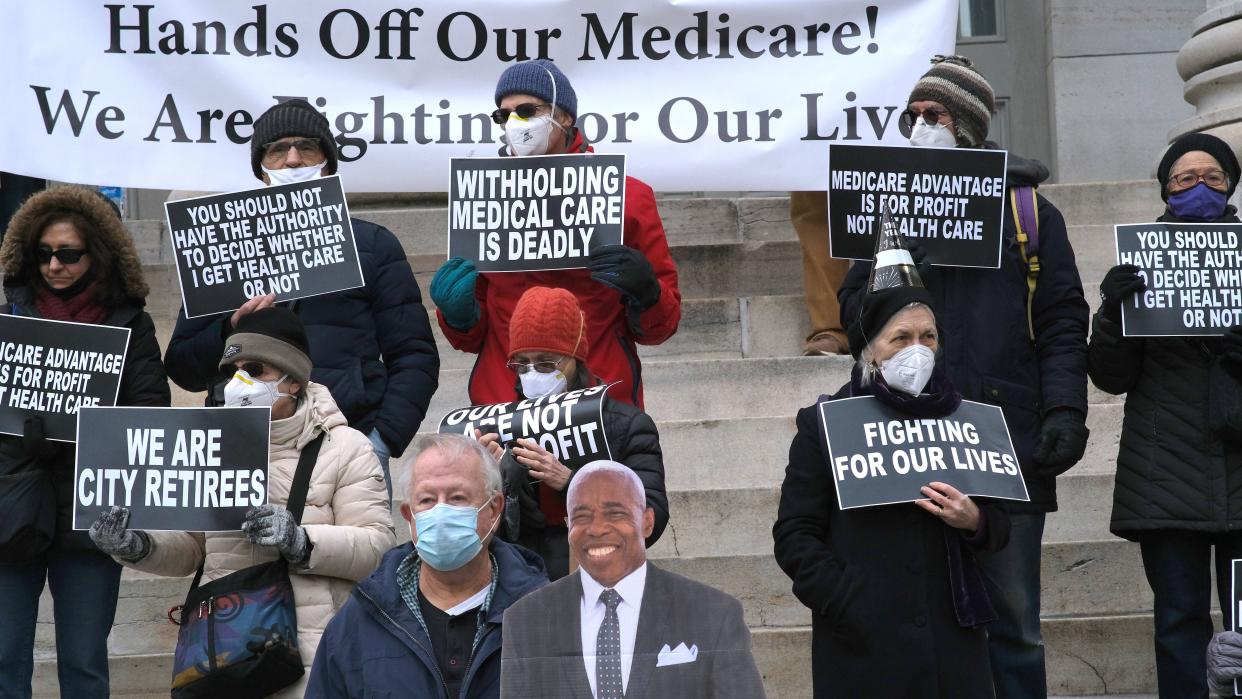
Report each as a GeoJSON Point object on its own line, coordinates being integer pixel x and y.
{"type": "Point", "coordinates": [538, 78]}
{"type": "Point", "coordinates": [954, 83]}
{"type": "Point", "coordinates": [291, 118]}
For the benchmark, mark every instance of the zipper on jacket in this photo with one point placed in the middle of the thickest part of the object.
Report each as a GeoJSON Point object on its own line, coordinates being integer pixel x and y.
{"type": "Point", "coordinates": [434, 668]}
{"type": "Point", "coordinates": [211, 632]}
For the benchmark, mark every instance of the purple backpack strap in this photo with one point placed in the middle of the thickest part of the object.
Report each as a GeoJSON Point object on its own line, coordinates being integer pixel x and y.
{"type": "Point", "coordinates": [1024, 200]}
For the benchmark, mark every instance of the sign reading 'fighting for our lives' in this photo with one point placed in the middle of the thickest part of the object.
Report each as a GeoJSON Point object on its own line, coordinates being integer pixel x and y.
{"type": "Point", "coordinates": [950, 200]}
{"type": "Point", "coordinates": [880, 456]}
{"type": "Point", "coordinates": [569, 425]}
{"type": "Point", "coordinates": [50, 369]}
{"type": "Point", "coordinates": [535, 213]}
{"type": "Point", "coordinates": [1193, 273]}
{"type": "Point", "coordinates": [292, 240]}
{"type": "Point", "coordinates": [176, 469]}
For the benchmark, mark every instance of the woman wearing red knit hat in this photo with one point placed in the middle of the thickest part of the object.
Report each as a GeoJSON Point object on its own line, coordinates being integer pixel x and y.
{"type": "Point", "coordinates": [547, 353]}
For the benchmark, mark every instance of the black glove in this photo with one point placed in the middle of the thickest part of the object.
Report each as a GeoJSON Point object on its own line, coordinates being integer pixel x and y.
{"type": "Point", "coordinates": [1231, 352]}
{"type": "Point", "coordinates": [1062, 441]}
{"type": "Point", "coordinates": [35, 444]}
{"type": "Point", "coordinates": [626, 270]}
{"type": "Point", "coordinates": [918, 253]}
{"type": "Point", "coordinates": [1119, 284]}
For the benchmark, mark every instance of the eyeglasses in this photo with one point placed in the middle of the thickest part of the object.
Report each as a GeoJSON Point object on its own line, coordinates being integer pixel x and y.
{"type": "Point", "coordinates": [276, 151]}
{"type": "Point", "coordinates": [931, 115]}
{"type": "Point", "coordinates": [67, 256]}
{"type": "Point", "coordinates": [254, 368]}
{"type": "Point", "coordinates": [541, 367]}
{"type": "Point", "coordinates": [524, 111]}
{"type": "Point", "coordinates": [1215, 179]}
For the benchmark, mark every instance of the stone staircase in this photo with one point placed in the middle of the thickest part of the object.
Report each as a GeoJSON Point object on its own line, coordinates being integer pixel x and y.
{"type": "Point", "coordinates": [724, 392]}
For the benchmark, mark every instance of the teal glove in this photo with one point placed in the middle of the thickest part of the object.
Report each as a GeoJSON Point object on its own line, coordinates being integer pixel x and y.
{"type": "Point", "coordinates": [452, 290]}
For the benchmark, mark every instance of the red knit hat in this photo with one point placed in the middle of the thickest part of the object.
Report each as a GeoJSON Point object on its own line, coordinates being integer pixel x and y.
{"type": "Point", "coordinates": [548, 320]}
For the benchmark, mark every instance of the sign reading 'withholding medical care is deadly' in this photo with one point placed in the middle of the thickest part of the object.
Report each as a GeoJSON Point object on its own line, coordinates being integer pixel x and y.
{"type": "Point", "coordinates": [950, 200]}
{"type": "Point", "coordinates": [569, 425]}
{"type": "Point", "coordinates": [176, 469]}
{"type": "Point", "coordinates": [50, 369]}
{"type": "Point", "coordinates": [879, 456]}
{"type": "Point", "coordinates": [535, 213]}
{"type": "Point", "coordinates": [291, 240]}
{"type": "Point", "coordinates": [1193, 273]}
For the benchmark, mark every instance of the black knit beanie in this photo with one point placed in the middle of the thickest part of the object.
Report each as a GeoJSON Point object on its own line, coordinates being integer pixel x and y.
{"type": "Point", "coordinates": [291, 118]}
{"type": "Point", "coordinates": [1207, 143]}
{"type": "Point", "coordinates": [273, 336]}
{"type": "Point", "coordinates": [878, 307]}
{"type": "Point", "coordinates": [954, 83]}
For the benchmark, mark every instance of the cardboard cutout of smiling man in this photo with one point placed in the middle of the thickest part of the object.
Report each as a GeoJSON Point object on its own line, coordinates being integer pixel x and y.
{"type": "Point", "coordinates": [622, 627]}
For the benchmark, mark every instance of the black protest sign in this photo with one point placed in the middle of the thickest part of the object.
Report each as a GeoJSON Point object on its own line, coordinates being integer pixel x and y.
{"type": "Point", "coordinates": [176, 469]}
{"type": "Point", "coordinates": [293, 240]}
{"type": "Point", "coordinates": [535, 213]}
{"type": "Point", "coordinates": [950, 200]}
{"type": "Point", "coordinates": [569, 425]}
{"type": "Point", "coordinates": [50, 369]}
{"type": "Point", "coordinates": [1193, 273]}
{"type": "Point", "coordinates": [880, 456]}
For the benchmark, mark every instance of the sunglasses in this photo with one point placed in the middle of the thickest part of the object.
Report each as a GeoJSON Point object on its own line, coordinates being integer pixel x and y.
{"type": "Point", "coordinates": [524, 111]}
{"type": "Point", "coordinates": [541, 367]}
{"type": "Point", "coordinates": [67, 256]}
{"type": "Point", "coordinates": [254, 368]}
{"type": "Point", "coordinates": [278, 150]}
{"type": "Point", "coordinates": [931, 115]}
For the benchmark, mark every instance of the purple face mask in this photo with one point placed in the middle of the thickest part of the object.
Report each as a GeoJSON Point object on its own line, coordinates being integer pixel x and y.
{"type": "Point", "coordinates": [1199, 203]}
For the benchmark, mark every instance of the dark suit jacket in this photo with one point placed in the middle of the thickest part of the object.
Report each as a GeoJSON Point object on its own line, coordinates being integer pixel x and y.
{"type": "Point", "coordinates": [541, 653]}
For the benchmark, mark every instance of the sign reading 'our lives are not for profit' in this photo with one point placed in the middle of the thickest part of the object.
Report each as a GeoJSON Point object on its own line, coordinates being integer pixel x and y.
{"type": "Point", "coordinates": [292, 240]}
{"type": "Point", "coordinates": [537, 212]}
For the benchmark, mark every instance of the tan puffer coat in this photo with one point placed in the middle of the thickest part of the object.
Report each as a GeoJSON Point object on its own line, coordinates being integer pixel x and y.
{"type": "Point", "coordinates": [346, 517]}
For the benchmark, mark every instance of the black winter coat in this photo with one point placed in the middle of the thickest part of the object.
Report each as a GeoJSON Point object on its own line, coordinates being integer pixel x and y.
{"type": "Point", "coordinates": [987, 351]}
{"type": "Point", "coordinates": [876, 580]}
{"type": "Point", "coordinates": [1179, 463]}
{"type": "Point", "coordinates": [371, 346]}
{"type": "Point", "coordinates": [143, 383]}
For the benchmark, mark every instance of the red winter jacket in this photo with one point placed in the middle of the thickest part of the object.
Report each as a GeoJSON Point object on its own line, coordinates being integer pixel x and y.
{"type": "Point", "coordinates": [612, 356]}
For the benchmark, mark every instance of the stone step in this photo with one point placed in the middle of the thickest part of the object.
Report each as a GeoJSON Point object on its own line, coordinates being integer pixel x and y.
{"type": "Point", "coordinates": [141, 625]}
{"type": "Point", "coordinates": [146, 676]}
{"type": "Point", "coordinates": [1092, 203]}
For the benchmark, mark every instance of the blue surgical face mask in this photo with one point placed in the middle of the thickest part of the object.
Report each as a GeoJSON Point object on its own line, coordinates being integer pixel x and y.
{"type": "Point", "coordinates": [448, 535]}
{"type": "Point", "coordinates": [1199, 203]}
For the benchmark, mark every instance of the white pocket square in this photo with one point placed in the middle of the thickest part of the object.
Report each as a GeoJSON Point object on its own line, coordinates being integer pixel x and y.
{"type": "Point", "coordinates": [677, 656]}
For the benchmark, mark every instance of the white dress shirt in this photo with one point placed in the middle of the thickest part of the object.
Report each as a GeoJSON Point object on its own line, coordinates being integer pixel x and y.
{"type": "Point", "coordinates": [593, 610]}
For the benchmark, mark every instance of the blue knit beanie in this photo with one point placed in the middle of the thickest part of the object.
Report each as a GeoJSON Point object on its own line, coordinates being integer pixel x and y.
{"type": "Point", "coordinates": [532, 78]}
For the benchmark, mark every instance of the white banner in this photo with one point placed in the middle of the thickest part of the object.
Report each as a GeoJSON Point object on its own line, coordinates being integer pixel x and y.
{"type": "Point", "coordinates": [702, 95]}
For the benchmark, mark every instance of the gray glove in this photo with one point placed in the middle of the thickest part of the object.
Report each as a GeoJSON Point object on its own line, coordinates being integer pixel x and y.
{"type": "Point", "coordinates": [272, 525]}
{"type": "Point", "coordinates": [111, 535]}
{"type": "Point", "coordinates": [1224, 662]}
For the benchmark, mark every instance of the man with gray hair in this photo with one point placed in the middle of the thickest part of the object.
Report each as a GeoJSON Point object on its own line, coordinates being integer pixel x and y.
{"type": "Point", "coordinates": [622, 627]}
{"type": "Point", "coordinates": [427, 623]}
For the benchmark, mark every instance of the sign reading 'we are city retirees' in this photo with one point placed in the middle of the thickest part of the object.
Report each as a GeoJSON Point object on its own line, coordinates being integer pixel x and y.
{"type": "Point", "coordinates": [950, 200]}
{"type": "Point", "coordinates": [879, 456]}
{"type": "Point", "coordinates": [176, 469]}
{"type": "Point", "coordinates": [1193, 273]}
{"type": "Point", "coordinates": [291, 240]}
{"type": "Point", "coordinates": [537, 212]}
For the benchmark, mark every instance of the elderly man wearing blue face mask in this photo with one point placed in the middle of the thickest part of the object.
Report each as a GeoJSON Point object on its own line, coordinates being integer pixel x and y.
{"type": "Point", "coordinates": [427, 623]}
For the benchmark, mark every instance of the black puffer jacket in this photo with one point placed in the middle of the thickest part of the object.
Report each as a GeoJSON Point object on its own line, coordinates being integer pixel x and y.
{"type": "Point", "coordinates": [371, 346]}
{"type": "Point", "coordinates": [1179, 463]}
{"type": "Point", "coordinates": [143, 382]}
{"type": "Point", "coordinates": [987, 349]}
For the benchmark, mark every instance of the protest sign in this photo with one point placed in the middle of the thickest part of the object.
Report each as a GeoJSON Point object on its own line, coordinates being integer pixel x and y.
{"type": "Point", "coordinates": [950, 200]}
{"type": "Point", "coordinates": [535, 213]}
{"type": "Point", "coordinates": [164, 95]}
{"type": "Point", "coordinates": [51, 368]}
{"type": "Point", "coordinates": [880, 456]}
{"type": "Point", "coordinates": [569, 425]}
{"type": "Point", "coordinates": [1193, 273]}
{"type": "Point", "coordinates": [176, 469]}
{"type": "Point", "coordinates": [293, 240]}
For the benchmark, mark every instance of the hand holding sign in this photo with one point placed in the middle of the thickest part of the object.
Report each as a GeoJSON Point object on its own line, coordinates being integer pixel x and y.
{"type": "Point", "coordinates": [255, 304]}
{"type": "Point", "coordinates": [1120, 283]}
{"type": "Point", "coordinates": [950, 505]}
{"type": "Point", "coordinates": [544, 467]}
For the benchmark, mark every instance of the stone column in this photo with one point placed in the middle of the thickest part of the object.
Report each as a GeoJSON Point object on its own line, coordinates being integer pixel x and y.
{"type": "Point", "coordinates": [1211, 64]}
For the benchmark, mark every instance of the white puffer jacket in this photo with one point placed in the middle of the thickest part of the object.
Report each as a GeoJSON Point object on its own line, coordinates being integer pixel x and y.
{"type": "Point", "coordinates": [346, 518]}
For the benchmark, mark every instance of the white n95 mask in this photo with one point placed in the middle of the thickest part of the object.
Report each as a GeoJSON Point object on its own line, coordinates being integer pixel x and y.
{"type": "Point", "coordinates": [931, 135]}
{"type": "Point", "coordinates": [293, 175]}
{"type": "Point", "coordinates": [243, 390]}
{"type": "Point", "coordinates": [537, 385]}
{"type": "Point", "coordinates": [529, 136]}
{"type": "Point", "coordinates": [909, 370]}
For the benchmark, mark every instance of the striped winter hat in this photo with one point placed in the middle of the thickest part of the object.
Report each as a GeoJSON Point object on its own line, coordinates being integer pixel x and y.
{"type": "Point", "coordinates": [954, 83]}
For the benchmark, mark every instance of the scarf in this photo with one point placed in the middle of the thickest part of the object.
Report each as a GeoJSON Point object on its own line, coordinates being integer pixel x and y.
{"type": "Point", "coordinates": [82, 307]}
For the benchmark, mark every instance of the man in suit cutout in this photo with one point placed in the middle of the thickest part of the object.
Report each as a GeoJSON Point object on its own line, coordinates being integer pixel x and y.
{"type": "Point", "coordinates": [622, 627]}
